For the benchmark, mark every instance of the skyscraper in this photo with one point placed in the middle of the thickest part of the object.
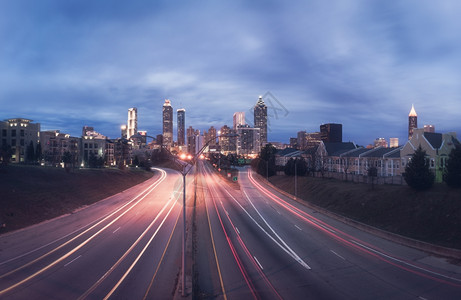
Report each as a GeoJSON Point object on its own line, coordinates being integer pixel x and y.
{"type": "Point", "coordinates": [412, 121]}
{"type": "Point", "coordinates": [239, 119]}
{"type": "Point", "coordinates": [167, 124]}
{"type": "Point", "coordinates": [211, 137]}
{"type": "Point", "coordinates": [331, 132]}
{"type": "Point", "coordinates": [228, 140]}
{"type": "Point", "coordinates": [248, 140]}
{"type": "Point", "coordinates": [260, 119]}
{"type": "Point", "coordinates": [181, 126]}
{"type": "Point", "coordinates": [393, 142]}
{"type": "Point", "coordinates": [132, 125]}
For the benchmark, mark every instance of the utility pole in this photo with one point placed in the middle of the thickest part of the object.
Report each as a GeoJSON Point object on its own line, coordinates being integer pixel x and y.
{"type": "Point", "coordinates": [296, 178]}
{"type": "Point", "coordinates": [184, 173]}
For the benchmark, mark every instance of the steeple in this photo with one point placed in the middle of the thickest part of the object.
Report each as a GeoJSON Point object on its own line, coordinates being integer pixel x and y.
{"type": "Point", "coordinates": [412, 121]}
{"type": "Point", "coordinates": [412, 112]}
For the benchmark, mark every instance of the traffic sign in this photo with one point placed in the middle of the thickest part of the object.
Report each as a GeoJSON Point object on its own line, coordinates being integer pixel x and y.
{"type": "Point", "coordinates": [234, 178]}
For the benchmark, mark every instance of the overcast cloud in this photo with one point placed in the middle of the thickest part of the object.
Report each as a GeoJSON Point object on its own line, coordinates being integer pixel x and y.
{"type": "Point", "coordinates": [67, 64]}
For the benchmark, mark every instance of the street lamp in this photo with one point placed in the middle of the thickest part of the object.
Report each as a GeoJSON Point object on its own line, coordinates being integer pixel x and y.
{"type": "Point", "coordinates": [184, 172]}
{"type": "Point", "coordinates": [296, 178]}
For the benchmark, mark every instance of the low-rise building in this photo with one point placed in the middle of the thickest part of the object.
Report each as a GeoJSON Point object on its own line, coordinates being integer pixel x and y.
{"type": "Point", "coordinates": [437, 146]}
{"type": "Point", "coordinates": [55, 143]}
{"type": "Point", "coordinates": [18, 133]}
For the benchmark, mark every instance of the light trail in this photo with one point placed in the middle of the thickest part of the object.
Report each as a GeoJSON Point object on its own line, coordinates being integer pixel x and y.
{"type": "Point", "coordinates": [141, 253]}
{"type": "Point", "coordinates": [251, 257]}
{"type": "Point", "coordinates": [75, 249]}
{"type": "Point", "coordinates": [353, 242]}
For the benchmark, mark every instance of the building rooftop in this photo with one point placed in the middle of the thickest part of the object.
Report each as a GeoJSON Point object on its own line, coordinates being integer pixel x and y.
{"type": "Point", "coordinates": [435, 139]}
{"type": "Point", "coordinates": [338, 148]}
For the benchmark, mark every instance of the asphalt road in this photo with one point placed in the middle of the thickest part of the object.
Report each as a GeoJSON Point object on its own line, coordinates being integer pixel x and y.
{"type": "Point", "coordinates": [268, 246]}
{"type": "Point", "coordinates": [125, 247]}
{"type": "Point", "coordinates": [248, 242]}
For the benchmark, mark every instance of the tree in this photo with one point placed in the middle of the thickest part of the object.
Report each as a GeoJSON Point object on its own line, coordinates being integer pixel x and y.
{"type": "Point", "coordinates": [95, 161]}
{"type": "Point", "coordinates": [5, 153]}
{"type": "Point", "coordinates": [417, 172]}
{"type": "Point", "coordinates": [372, 172]}
{"type": "Point", "coordinates": [452, 175]}
{"type": "Point", "coordinates": [136, 160]}
{"type": "Point", "coordinates": [299, 164]}
{"type": "Point", "coordinates": [30, 153]}
{"type": "Point", "coordinates": [38, 152]}
{"type": "Point", "coordinates": [67, 160]}
{"type": "Point", "coordinates": [266, 164]}
{"type": "Point", "coordinates": [290, 167]}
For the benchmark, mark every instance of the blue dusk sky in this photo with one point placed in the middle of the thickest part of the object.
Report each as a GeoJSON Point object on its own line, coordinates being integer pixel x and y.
{"type": "Point", "coordinates": [66, 64]}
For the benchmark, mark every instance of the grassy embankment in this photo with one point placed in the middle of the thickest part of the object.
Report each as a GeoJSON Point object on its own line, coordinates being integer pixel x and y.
{"type": "Point", "coordinates": [29, 195]}
{"type": "Point", "coordinates": [432, 216]}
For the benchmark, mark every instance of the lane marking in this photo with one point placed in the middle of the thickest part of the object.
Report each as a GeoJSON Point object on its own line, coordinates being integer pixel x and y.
{"type": "Point", "coordinates": [258, 263]}
{"type": "Point", "coordinates": [237, 229]}
{"type": "Point", "coordinates": [284, 247]}
{"type": "Point", "coordinates": [298, 227]}
{"type": "Point", "coordinates": [81, 244]}
{"type": "Point", "coordinates": [116, 230]}
{"type": "Point", "coordinates": [404, 262]}
{"type": "Point", "coordinates": [337, 255]}
{"type": "Point", "coordinates": [104, 218]}
{"type": "Point", "coordinates": [161, 259]}
{"type": "Point", "coordinates": [351, 240]}
{"type": "Point", "coordinates": [215, 255]}
{"type": "Point", "coordinates": [140, 253]}
{"type": "Point", "coordinates": [72, 261]}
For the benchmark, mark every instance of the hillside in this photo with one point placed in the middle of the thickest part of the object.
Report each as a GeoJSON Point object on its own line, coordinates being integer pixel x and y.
{"type": "Point", "coordinates": [432, 216]}
{"type": "Point", "coordinates": [30, 194]}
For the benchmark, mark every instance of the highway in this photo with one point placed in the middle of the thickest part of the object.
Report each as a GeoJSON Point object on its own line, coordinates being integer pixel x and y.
{"type": "Point", "coordinates": [127, 246]}
{"type": "Point", "coordinates": [249, 242]}
{"type": "Point", "coordinates": [268, 246]}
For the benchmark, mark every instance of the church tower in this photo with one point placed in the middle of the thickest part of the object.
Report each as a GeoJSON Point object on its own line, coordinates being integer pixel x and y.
{"type": "Point", "coordinates": [412, 121]}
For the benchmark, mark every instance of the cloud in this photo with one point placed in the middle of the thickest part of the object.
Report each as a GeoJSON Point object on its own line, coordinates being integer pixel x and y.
{"type": "Point", "coordinates": [356, 62]}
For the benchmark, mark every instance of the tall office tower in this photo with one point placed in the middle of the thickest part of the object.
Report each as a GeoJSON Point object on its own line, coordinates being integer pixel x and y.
{"type": "Point", "coordinates": [228, 140]}
{"type": "Point", "coordinates": [132, 125]}
{"type": "Point", "coordinates": [167, 124]}
{"type": "Point", "coordinates": [429, 128]}
{"type": "Point", "coordinates": [239, 119]}
{"type": "Point", "coordinates": [181, 126]}
{"type": "Point", "coordinates": [260, 119]}
{"type": "Point", "coordinates": [412, 121]}
{"type": "Point", "coordinates": [393, 142]}
{"type": "Point", "coordinates": [301, 143]}
{"type": "Point", "coordinates": [211, 136]}
{"type": "Point", "coordinates": [331, 132]}
{"type": "Point", "coordinates": [248, 140]}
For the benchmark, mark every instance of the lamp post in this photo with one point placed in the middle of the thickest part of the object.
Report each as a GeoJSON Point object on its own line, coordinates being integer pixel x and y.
{"type": "Point", "coordinates": [296, 178]}
{"type": "Point", "coordinates": [184, 172]}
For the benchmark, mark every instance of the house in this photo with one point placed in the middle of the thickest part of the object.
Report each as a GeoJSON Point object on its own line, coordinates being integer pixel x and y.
{"type": "Point", "coordinates": [282, 156]}
{"type": "Point", "coordinates": [437, 146]}
{"type": "Point", "coordinates": [327, 156]}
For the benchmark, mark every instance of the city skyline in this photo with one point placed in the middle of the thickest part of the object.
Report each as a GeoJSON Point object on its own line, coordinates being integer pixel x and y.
{"type": "Point", "coordinates": [67, 65]}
